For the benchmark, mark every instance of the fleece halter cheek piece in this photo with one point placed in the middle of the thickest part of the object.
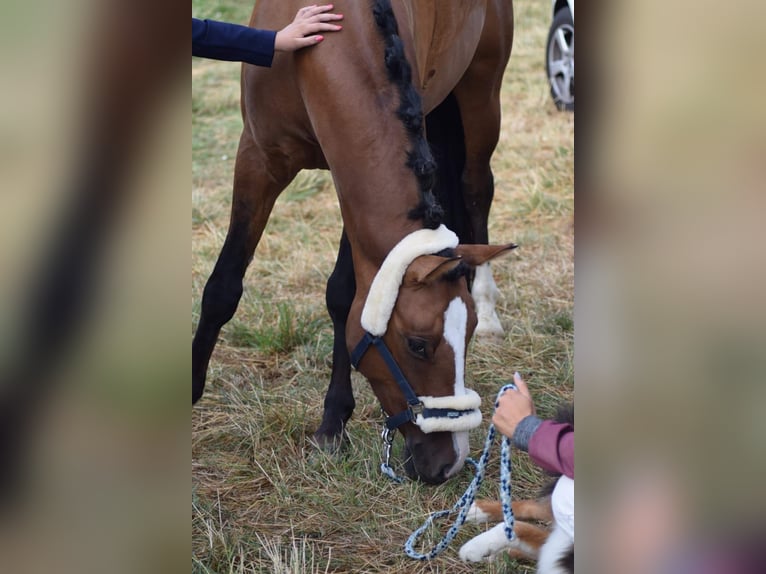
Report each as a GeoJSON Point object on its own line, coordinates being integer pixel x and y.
{"type": "Point", "coordinates": [455, 413]}
{"type": "Point", "coordinates": [384, 289]}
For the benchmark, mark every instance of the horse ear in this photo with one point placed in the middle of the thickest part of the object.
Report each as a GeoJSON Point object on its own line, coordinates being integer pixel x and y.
{"type": "Point", "coordinates": [475, 255]}
{"type": "Point", "coordinates": [428, 268]}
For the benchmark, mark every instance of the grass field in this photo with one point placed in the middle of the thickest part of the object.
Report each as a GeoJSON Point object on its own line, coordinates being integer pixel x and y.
{"type": "Point", "coordinates": [264, 500]}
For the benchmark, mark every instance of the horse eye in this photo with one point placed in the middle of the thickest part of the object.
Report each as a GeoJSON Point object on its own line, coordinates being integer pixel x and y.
{"type": "Point", "coordinates": [418, 347]}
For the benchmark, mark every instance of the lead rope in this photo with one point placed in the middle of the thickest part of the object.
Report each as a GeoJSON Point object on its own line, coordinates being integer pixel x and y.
{"type": "Point", "coordinates": [464, 504]}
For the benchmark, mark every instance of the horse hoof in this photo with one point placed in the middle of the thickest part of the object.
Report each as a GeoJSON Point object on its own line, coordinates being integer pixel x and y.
{"type": "Point", "coordinates": [489, 327]}
{"type": "Point", "coordinates": [489, 333]}
{"type": "Point", "coordinates": [329, 443]}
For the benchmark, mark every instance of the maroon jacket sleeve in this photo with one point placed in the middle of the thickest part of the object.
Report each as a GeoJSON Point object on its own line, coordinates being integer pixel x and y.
{"type": "Point", "coordinates": [552, 447]}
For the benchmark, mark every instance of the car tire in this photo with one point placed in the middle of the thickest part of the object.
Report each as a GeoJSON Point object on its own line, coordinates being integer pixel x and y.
{"type": "Point", "coordinates": [559, 60]}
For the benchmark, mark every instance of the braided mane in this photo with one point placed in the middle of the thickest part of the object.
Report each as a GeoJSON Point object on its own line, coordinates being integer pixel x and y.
{"type": "Point", "coordinates": [410, 112]}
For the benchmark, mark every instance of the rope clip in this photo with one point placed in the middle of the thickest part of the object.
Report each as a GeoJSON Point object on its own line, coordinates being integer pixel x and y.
{"type": "Point", "coordinates": [388, 439]}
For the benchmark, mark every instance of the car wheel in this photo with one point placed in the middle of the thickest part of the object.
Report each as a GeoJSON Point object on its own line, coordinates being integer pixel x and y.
{"type": "Point", "coordinates": [559, 63]}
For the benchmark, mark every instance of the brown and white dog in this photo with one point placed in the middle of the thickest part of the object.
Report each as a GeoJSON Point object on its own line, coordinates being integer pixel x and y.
{"type": "Point", "coordinates": [538, 534]}
{"type": "Point", "coordinates": [550, 546]}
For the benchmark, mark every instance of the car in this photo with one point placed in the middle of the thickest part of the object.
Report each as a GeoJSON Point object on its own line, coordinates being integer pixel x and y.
{"type": "Point", "coordinates": [559, 50]}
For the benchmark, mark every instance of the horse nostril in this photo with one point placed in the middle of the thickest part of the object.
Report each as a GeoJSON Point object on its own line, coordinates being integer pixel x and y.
{"type": "Point", "coordinates": [437, 477]}
{"type": "Point", "coordinates": [428, 471]}
{"type": "Point", "coordinates": [453, 469]}
{"type": "Point", "coordinates": [443, 473]}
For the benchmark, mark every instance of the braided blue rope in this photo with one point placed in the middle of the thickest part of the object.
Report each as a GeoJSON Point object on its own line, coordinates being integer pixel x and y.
{"type": "Point", "coordinates": [390, 473]}
{"type": "Point", "coordinates": [464, 504]}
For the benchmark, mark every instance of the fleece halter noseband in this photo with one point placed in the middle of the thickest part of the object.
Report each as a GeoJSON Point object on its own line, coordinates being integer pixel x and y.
{"type": "Point", "coordinates": [454, 413]}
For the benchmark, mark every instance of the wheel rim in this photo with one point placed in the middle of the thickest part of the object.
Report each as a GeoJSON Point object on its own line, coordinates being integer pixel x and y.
{"type": "Point", "coordinates": [561, 63]}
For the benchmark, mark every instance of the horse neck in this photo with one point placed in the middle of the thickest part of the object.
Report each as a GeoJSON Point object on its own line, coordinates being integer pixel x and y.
{"type": "Point", "coordinates": [371, 245]}
{"type": "Point", "coordinates": [352, 105]}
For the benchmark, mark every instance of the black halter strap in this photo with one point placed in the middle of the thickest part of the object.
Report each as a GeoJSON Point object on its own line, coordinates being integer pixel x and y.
{"type": "Point", "coordinates": [414, 405]}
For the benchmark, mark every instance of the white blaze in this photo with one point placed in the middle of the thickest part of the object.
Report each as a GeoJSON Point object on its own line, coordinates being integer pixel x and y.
{"type": "Point", "coordinates": [455, 324]}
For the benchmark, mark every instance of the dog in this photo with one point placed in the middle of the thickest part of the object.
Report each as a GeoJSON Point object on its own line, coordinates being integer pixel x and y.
{"type": "Point", "coordinates": [551, 546]}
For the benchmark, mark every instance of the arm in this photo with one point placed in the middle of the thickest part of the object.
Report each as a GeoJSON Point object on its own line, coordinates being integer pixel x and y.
{"type": "Point", "coordinates": [549, 444]}
{"type": "Point", "coordinates": [232, 42]}
{"type": "Point", "coordinates": [235, 43]}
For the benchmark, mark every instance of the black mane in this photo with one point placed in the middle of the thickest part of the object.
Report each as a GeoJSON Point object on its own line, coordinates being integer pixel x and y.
{"type": "Point", "coordinates": [410, 112]}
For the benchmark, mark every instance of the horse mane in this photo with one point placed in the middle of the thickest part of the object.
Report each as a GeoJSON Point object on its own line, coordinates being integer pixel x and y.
{"type": "Point", "coordinates": [410, 112]}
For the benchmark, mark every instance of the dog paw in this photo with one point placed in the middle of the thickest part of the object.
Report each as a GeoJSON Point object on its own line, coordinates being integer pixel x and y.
{"type": "Point", "coordinates": [485, 545]}
{"type": "Point", "coordinates": [477, 515]}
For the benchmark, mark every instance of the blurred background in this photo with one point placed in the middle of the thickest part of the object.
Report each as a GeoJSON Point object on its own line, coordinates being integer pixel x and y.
{"type": "Point", "coordinates": [94, 362]}
{"type": "Point", "coordinates": [669, 319]}
{"type": "Point", "coordinates": [669, 332]}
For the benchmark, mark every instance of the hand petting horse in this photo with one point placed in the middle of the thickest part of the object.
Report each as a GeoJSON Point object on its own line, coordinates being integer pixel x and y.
{"type": "Point", "coordinates": [403, 108]}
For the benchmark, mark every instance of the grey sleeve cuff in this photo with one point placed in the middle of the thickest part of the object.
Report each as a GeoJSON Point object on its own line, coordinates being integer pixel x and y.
{"type": "Point", "coordinates": [524, 431]}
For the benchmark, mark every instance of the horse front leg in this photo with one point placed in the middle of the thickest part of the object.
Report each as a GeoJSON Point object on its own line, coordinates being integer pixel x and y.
{"type": "Point", "coordinates": [463, 134]}
{"type": "Point", "coordinates": [480, 111]}
{"type": "Point", "coordinates": [478, 189]}
{"type": "Point", "coordinates": [478, 96]}
{"type": "Point", "coordinates": [339, 401]}
{"type": "Point", "coordinates": [255, 191]}
{"type": "Point", "coordinates": [478, 192]}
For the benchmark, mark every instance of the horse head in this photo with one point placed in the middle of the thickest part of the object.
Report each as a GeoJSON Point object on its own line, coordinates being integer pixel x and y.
{"type": "Point", "coordinates": [417, 320]}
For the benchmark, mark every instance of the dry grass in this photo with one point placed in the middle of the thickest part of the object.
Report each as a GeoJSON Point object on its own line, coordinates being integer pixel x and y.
{"type": "Point", "coordinates": [264, 500]}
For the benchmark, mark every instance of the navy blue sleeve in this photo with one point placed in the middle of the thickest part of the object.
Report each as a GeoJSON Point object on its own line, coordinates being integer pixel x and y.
{"type": "Point", "coordinates": [232, 42]}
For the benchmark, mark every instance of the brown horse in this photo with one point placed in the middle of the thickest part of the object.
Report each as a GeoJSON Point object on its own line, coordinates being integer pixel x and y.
{"type": "Point", "coordinates": [362, 105]}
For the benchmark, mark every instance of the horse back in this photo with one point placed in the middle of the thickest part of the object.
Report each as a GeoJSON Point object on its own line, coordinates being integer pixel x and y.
{"type": "Point", "coordinates": [441, 39]}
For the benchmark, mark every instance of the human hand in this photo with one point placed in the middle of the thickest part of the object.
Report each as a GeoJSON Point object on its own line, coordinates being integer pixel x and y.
{"type": "Point", "coordinates": [513, 406]}
{"type": "Point", "coordinates": [302, 31]}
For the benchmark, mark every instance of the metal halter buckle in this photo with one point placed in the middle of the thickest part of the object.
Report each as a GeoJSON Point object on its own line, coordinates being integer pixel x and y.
{"type": "Point", "coordinates": [416, 410]}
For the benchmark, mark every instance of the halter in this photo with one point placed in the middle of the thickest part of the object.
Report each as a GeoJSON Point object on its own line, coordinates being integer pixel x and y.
{"type": "Point", "coordinates": [431, 414]}
{"type": "Point", "coordinates": [455, 413]}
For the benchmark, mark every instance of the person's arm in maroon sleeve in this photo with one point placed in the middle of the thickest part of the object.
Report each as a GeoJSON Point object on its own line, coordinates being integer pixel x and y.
{"type": "Point", "coordinates": [549, 444]}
